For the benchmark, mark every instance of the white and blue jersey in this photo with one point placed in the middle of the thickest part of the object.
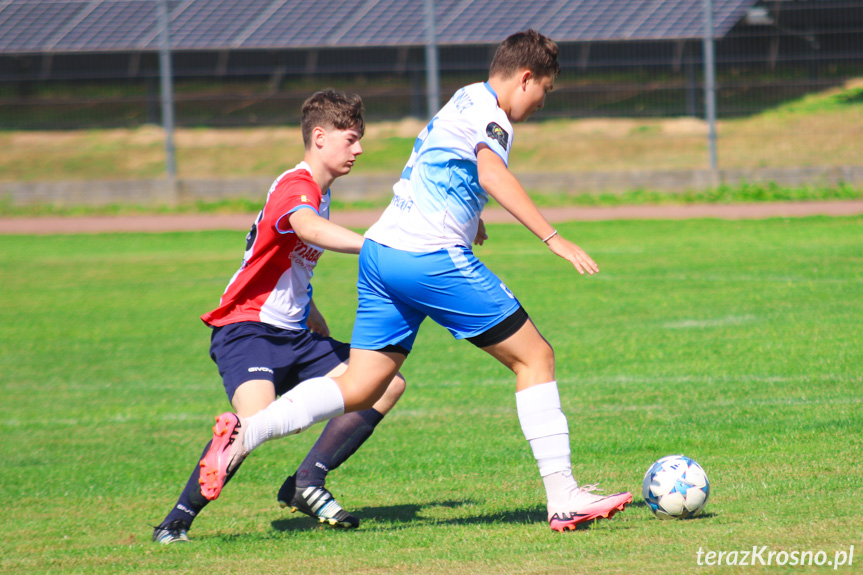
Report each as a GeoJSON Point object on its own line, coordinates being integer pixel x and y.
{"type": "Point", "coordinates": [437, 201]}
{"type": "Point", "coordinates": [417, 261]}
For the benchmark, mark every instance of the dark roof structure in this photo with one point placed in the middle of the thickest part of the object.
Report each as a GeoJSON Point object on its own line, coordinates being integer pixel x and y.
{"type": "Point", "coordinates": [67, 26]}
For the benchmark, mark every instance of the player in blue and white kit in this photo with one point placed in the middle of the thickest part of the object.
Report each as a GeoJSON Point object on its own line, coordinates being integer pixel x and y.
{"type": "Point", "coordinates": [417, 262]}
{"type": "Point", "coordinates": [427, 231]}
{"type": "Point", "coordinates": [438, 201]}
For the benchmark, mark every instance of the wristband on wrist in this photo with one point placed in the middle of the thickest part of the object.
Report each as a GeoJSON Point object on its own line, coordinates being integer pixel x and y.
{"type": "Point", "coordinates": [554, 233]}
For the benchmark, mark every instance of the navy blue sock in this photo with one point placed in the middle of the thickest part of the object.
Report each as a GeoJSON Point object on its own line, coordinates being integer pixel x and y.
{"type": "Point", "coordinates": [191, 500]}
{"type": "Point", "coordinates": [342, 436]}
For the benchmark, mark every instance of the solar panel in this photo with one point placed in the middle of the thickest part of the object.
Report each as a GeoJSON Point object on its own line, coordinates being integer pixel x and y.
{"type": "Point", "coordinates": [401, 22]}
{"type": "Point", "coordinates": [45, 26]}
{"type": "Point", "coordinates": [104, 25]}
{"type": "Point", "coordinates": [301, 24]}
{"type": "Point", "coordinates": [214, 24]}
{"type": "Point", "coordinates": [593, 20]}
{"type": "Point", "coordinates": [289, 28]}
{"type": "Point", "coordinates": [29, 27]}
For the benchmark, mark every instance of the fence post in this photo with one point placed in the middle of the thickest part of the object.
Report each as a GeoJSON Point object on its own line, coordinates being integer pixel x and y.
{"type": "Point", "coordinates": [710, 83]}
{"type": "Point", "coordinates": [166, 76]}
{"type": "Point", "coordinates": [432, 71]}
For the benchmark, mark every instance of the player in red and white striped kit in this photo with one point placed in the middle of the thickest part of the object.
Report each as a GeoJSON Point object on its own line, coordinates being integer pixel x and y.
{"type": "Point", "coordinates": [268, 335]}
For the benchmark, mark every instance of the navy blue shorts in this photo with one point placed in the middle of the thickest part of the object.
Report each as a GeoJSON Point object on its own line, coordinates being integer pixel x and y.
{"type": "Point", "coordinates": [250, 350]}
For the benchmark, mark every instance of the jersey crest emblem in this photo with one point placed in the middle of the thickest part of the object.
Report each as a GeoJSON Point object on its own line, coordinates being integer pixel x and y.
{"type": "Point", "coordinates": [495, 132]}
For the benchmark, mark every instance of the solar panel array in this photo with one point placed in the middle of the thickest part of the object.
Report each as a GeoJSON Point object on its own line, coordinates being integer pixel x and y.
{"type": "Point", "coordinates": [37, 26]}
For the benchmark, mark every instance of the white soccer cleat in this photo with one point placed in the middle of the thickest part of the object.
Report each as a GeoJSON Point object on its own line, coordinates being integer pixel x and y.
{"type": "Point", "coordinates": [583, 506]}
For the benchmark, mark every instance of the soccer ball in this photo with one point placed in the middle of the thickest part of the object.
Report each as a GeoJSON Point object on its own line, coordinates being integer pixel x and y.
{"type": "Point", "coordinates": [675, 487]}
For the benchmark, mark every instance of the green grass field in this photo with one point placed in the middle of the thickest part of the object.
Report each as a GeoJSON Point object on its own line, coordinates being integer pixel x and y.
{"type": "Point", "coordinates": [736, 343]}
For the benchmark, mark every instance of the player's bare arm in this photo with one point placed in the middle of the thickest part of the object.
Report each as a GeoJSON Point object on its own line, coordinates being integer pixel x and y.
{"type": "Point", "coordinates": [318, 231]}
{"type": "Point", "coordinates": [316, 321]}
{"type": "Point", "coordinates": [503, 186]}
{"type": "Point", "coordinates": [481, 235]}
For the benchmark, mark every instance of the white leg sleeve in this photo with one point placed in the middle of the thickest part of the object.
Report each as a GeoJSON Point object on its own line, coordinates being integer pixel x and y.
{"type": "Point", "coordinates": [545, 427]}
{"type": "Point", "coordinates": [310, 402]}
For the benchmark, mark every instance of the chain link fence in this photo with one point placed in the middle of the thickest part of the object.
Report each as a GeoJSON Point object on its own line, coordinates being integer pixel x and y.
{"type": "Point", "coordinates": [778, 54]}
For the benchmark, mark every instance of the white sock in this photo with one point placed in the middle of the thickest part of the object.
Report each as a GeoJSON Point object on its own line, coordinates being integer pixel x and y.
{"type": "Point", "coordinates": [559, 487]}
{"type": "Point", "coordinates": [546, 430]}
{"type": "Point", "coordinates": [310, 402]}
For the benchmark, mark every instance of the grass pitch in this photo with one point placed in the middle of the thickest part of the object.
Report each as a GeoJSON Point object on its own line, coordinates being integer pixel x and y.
{"type": "Point", "coordinates": [735, 343]}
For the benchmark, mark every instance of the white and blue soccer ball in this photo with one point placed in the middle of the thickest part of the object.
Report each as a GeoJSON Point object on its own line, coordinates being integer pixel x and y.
{"type": "Point", "coordinates": [675, 487]}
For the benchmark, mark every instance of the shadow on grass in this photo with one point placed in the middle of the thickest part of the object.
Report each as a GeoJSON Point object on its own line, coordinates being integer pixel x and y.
{"type": "Point", "coordinates": [698, 517]}
{"type": "Point", "coordinates": [701, 516]}
{"type": "Point", "coordinates": [393, 514]}
{"type": "Point", "coordinates": [394, 517]}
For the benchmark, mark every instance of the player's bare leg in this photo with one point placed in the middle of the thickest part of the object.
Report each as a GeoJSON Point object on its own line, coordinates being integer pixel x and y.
{"type": "Point", "coordinates": [527, 354]}
{"type": "Point", "coordinates": [226, 451]}
{"type": "Point", "coordinates": [531, 358]}
{"type": "Point", "coordinates": [366, 379]}
{"type": "Point", "coordinates": [253, 396]}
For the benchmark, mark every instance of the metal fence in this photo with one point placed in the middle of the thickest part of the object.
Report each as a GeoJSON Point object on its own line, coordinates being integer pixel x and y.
{"type": "Point", "coordinates": [779, 52]}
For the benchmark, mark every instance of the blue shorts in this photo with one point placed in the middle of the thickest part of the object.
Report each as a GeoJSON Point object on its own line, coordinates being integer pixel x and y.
{"type": "Point", "coordinates": [251, 350]}
{"type": "Point", "coordinates": [398, 290]}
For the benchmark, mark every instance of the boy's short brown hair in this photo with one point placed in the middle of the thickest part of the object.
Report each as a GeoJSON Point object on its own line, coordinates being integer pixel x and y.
{"type": "Point", "coordinates": [332, 109]}
{"type": "Point", "coordinates": [526, 50]}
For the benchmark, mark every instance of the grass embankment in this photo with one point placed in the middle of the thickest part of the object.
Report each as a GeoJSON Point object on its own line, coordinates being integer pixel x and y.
{"type": "Point", "coordinates": [818, 130]}
{"type": "Point", "coordinates": [822, 129]}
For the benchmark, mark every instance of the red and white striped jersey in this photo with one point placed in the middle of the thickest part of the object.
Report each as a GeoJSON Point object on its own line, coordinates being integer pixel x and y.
{"type": "Point", "coordinates": [273, 284]}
